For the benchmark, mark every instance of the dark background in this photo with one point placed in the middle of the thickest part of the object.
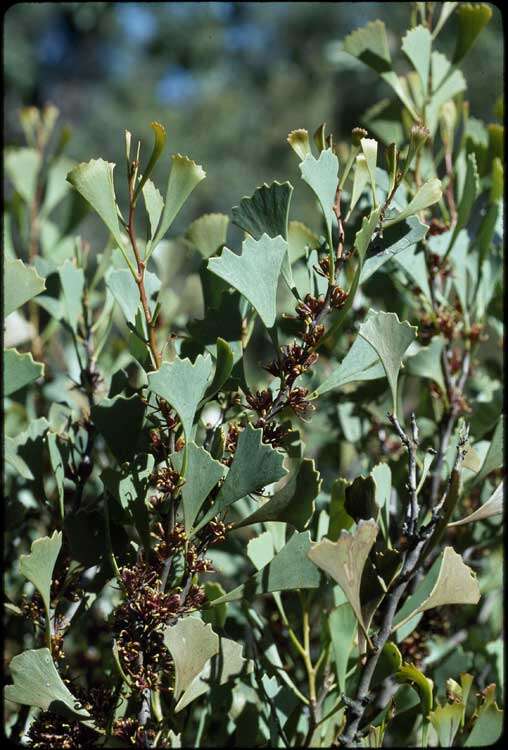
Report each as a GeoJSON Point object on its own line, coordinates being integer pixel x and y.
{"type": "Point", "coordinates": [228, 80]}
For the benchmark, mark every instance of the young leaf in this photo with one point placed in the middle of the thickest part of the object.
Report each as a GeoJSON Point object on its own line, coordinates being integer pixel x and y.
{"type": "Point", "coordinates": [37, 683]}
{"type": "Point", "coordinates": [424, 685]}
{"type": "Point", "coordinates": [322, 176]}
{"type": "Point", "coordinates": [472, 19]}
{"type": "Point", "coordinates": [254, 466]}
{"type": "Point", "coordinates": [389, 338]}
{"type": "Point", "coordinates": [159, 132]}
{"type": "Point", "coordinates": [294, 503]}
{"type": "Point", "coordinates": [72, 280]}
{"type": "Point", "coordinates": [345, 560]}
{"type": "Point", "coordinates": [254, 273]}
{"type": "Point", "coordinates": [21, 283]}
{"type": "Point", "coordinates": [183, 385]}
{"type": "Point", "coordinates": [19, 370]}
{"type": "Point", "coordinates": [208, 233]}
{"type": "Point", "coordinates": [369, 148]}
{"type": "Point", "coordinates": [154, 203]}
{"type": "Point", "coordinates": [360, 180]}
{"type": "Point", "coordinates": [202, 475]}
{"type": "Point", "coordinates": [449, 581]}
{"type": "Point", "coordinates": [288, 570]}
{"type": "Point", "coordinates": [94, 181]}
{"type": "Point", "coordinates": [185, 175]}
{"type": "Point", "coordinates": [429, 193]}
{"type": "Point", "coordinates": [266, 211]}
{"type": "Point", "coordinates": [446, 720]}
{"type": "Point", "coordinates": [417, 45]}
{"type": "Point", "coordinates": [491, 507]}
{"type": "Point", "coordinates": [299, 142]}
{"type": "Point", "coordinates": [191, 643]}
{"type": "Point", "coordinates": [38, 566]}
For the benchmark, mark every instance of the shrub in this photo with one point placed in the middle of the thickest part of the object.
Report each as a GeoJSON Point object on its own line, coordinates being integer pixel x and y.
{"type": "Point", "coordinates": [274, 523]}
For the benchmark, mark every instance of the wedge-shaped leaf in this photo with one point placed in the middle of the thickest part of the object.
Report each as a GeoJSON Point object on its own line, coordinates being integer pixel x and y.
{"type": "Point", "coordinates": [289, 569]}
{"type": "Point", "coordinates": [360, 363]}
{"type": "Point", "coordinates": [266, 211]}
{"type": "Point", "coordinates": [191, 643]}
{"type": "Point", "coordinates": [208, 233]}
{"type": "Point", "coordinates": [202, 474]}
{"type": "Point", "coordinates": [344, 560]}
{"type": "Point", "coordinates": [488, 726]}
{"type": "Point", "coordinates": [398, 239]}
{"type": "Point", "coordinates": [389, 338]}
{"type": "Point", "coordinates": [446, 721]}
{"type": "Point", "coordinates": [492, 507]}
{"type": "Point", "coordinates": [129, 487]}
{"type": "Point", "coordinates": [38, 566]}
{"type": "Point", "coordinates": [369, 148]}
{"type": "Point", "coordinates": [119, 420]}
{"type": "Point", "coordinates": [19, 370]}
{"type": "Point", "coordinates": [185, 175]}
{"type": "Point", "coordinates": [424, 685]}
{"type": "Point", "coordinates": [299, 142]}
{"type": "Point", "coordinates": [360, 180]}
{"type": "Point", "coordinates": [72, 280]}
{"type": "Point", "coordinates": [370, 45]}
{"type": "Point", "coordinates": [426, 363]}
{"type": "Point", "coordinates": [429, 193]}
{"type": "Point", "coordinates": [417, 45]}
{"type": "Point", "coordinates": [472, 20]}
{"type": "Point", "coordinates": [255, 273]}
{"type": "Point", "coordinates": [21, 283]}
{"type": "Point", "coordinates": [255, 465]}
{"type": "Point", "coordinates": [218, 670]}
{"type": "Point", "coordinates": [22, 166]}
{"type": "Point", "coordinates": [449, 581]}
{"type": "Point", "coordinates": [124, 289]}
{"type": "Point", "coordinates": [38, 684]}
{"type": "Point", "coordinates": [94, 181]}
{"type": "Point", "coordinates": [494, 458]}
{"type": "Point", "coordinates": [154, 203]}
{"type": "Point", "coordinates": [183, 385]}
{"type": "Point", "coordinates": [446, 11]}
{"type": "Point", "coordinates": [342, 624]}
{"type": "Point", "coordinates": [322, 176]}
{"type": "Point", "coordinates": [294, 503]}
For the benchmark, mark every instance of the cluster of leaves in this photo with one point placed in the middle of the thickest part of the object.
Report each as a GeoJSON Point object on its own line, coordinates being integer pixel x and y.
{"type": "Point", "coordinates": [250, 527]}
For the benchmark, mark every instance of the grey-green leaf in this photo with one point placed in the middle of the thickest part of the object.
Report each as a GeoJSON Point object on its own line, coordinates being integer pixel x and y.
{"type": "Point", "coordinates": [183, 385]}
{"type": "Point", "coordinates": [389, 338]}
{"type": "Point", "coordinates": [21, 283]}
{"type": "Point", "coordinates": [37, 683]}
{"type": "Point", "coordinates": [255, 273]}
{"type": "Point", "coordinates": [417, 45]}
{"type": "Point", "coordinates": [191, 644]}
{"type": "Point", "coordinates": [202, 474]}
{"type": "Point", "coordinates": [185, 175]}
{"type": "Point", "coordinates": [255, 465]}
{"type": "Point", "coordinates": [266, 211]}
{"type": "Point", "coordinates": [322, 177]}
{"type": "Point", "coordinates": [38, 566]}
{"type": "Point", "coordinates": [208, 233]}
{"type": "Point", "coordinates": [72, 280]}
{"type": "Point", "coordinates": [19, 370]}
